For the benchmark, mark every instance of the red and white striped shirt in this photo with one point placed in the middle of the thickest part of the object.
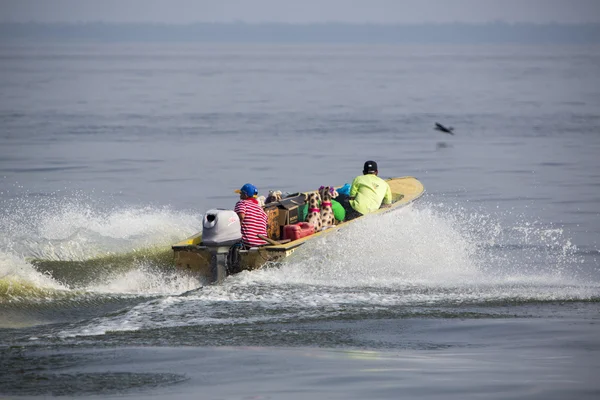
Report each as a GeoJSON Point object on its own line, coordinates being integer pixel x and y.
{"type": "Point", "coordinates": [254, 223]}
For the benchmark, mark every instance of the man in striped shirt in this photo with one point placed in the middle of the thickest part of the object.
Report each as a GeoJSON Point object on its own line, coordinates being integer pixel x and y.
{"type": "Point", "coordinates": [252, 217]}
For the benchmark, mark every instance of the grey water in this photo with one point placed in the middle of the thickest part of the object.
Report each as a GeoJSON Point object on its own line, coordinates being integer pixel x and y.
{"type": "Point", "coordinates": [488, 287]}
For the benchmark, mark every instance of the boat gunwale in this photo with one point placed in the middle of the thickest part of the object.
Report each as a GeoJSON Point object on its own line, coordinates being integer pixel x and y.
{"type": "Point", "coordinates": [399, 204]}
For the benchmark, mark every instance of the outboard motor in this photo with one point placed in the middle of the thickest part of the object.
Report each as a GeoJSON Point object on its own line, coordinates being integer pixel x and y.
{"type": "Point", "coordinates": [220, 230]}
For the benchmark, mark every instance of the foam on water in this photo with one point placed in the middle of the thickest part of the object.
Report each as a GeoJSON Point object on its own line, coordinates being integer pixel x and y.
{"type": "Point", "coordinates": [74, 229]}
{"type": "Point", "coordinates": [147, 280]}
{"type": "Point", "coordinates": [429, 257]}
{"type": "Point", "coordinates": [19, 280]}
{"type": "Point", "coordinates": [407, 247]}
{"type": "Point", "coordinates": [428, 254]}
{"type": "Point", "coordinates": [435, 245]}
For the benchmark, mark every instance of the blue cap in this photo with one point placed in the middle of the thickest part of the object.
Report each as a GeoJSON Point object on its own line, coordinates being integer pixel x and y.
{"type": "Point", "coordinates": [249, 189]}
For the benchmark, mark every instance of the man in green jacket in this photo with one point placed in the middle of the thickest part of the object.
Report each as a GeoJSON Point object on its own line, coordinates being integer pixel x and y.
{"type": "Point", "coordinates": [367, 194]}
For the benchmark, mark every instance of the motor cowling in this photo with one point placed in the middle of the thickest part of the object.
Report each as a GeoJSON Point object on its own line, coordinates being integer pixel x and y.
{"type": "Point", "coordinates": [221, 228]}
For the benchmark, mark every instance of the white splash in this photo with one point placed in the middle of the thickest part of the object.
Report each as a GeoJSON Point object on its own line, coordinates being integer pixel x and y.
{"type": "Point", "coordinates": [16, 271]}
{"type": "Point", "coordinates": [148, 281]}
{"type": "Point", "coordinates": [73, 229]}
{"type": "Point", "coordinates": [402, 248]}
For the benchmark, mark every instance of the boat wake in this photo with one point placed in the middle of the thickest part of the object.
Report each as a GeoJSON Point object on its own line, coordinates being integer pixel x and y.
{"type": "Point", "coordinates": [436, 246]}
{"type": "Point", "coordinates": [69, 248]}
{"type": "Point", "coordinates": [431, 261]}
{"type": "Point", "coordinates": [423, 261]}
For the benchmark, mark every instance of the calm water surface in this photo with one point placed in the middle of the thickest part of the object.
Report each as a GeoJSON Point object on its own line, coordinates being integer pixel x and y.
{"type": "Point", "coordinates": [489, 287]}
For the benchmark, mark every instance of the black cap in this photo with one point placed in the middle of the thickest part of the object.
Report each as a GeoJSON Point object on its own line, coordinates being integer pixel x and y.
{"type": "Point", "coordinates": [370, 166]}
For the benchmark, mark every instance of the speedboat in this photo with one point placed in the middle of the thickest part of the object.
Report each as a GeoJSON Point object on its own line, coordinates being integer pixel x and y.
{"type": "Point", "coordinates": [218, 254]}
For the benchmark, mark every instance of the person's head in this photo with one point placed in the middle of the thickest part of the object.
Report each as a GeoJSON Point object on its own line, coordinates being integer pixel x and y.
{"type": "Point", "coordinates": [247, 191]}
{"type": "Point", "coordinates": [370, 168]}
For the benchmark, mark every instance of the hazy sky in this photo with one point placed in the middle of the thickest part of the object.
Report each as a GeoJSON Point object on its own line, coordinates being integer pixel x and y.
{"type": "Point", "coordinates": [298, 11]}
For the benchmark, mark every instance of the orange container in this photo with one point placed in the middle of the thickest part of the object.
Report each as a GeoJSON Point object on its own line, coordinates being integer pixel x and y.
{"type": "Point", "coordinates": [297, 231]}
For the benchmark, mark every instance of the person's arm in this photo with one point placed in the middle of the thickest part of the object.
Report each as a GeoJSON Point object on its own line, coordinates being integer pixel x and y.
{"type": "Point", "coordinates": [240, 210]}
{"type": "Point", "coordinates": [388, 195]}
{"type": "Point", "coordinates": [353, 190]}
{"type": "Point", "coordinates": [387, 198]}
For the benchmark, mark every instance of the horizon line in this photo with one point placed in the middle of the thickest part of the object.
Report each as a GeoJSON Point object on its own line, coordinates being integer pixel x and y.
{"type": "Point", "coordinates": [308, 23]}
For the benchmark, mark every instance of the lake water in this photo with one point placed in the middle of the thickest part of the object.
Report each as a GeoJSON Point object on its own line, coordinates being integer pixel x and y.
{"type": "Point", "coordinates": [489, 287]}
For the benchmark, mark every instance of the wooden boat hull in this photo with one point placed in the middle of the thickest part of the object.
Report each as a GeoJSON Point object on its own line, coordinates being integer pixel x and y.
{"type": "Point", "coordinates": [194, 258]}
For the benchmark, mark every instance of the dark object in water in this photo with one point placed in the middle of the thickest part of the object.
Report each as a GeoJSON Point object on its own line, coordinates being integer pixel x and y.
{"type": "Point", "coordinates": [442, 145]}
{"type": "Point", "coordinates": [442, 128]}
